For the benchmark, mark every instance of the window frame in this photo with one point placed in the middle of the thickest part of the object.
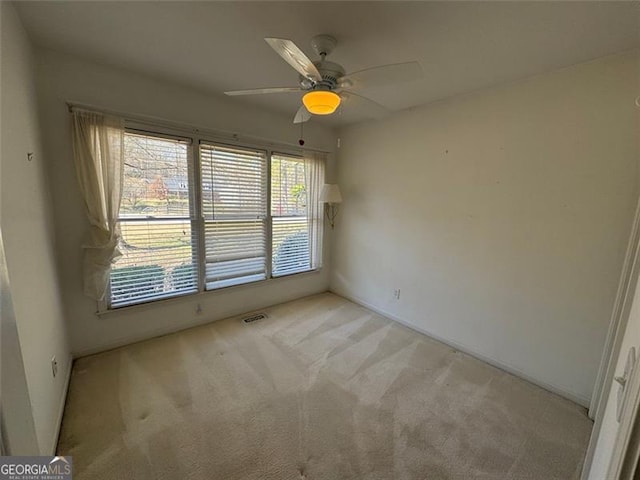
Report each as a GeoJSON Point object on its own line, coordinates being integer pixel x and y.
{"type": "Point", "coordinates": [271, 216]}
{"type": "Point", "coordinates": [195, 137]}
{"type": "Point", "coordinates": [193, 217]}
{"type": "Point", "coordinates": [267, 167]}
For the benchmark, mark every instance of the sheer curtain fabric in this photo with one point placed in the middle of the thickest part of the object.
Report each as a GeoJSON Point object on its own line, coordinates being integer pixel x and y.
{"type": "Point", "coordinates": [99, 159]}
{"type": "Point", "coordinates": [314, 164]}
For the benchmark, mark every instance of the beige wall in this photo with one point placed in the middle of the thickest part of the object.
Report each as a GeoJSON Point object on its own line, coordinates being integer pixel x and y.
{"type": "Point", "coordinates": [65, 78]}
{"type": "Point", "coordinates": [502, 216]}
{"type": "Point", "coordinates": [29, 238]}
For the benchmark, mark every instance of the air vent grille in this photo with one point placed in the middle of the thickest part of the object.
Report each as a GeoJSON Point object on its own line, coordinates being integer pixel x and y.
{"type": "Point", "coordinates": [254, 317]}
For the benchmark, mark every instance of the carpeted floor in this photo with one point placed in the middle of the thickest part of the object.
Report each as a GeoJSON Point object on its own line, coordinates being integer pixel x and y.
{"type": "Point", "coordinates": [322, 389]}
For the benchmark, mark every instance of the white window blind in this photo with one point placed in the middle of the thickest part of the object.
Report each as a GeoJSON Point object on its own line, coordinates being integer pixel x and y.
{"type": "Point", "coordinates": [234, 208]}
{"type": "Point", "coordinates": [290, 226]}
{"type": "Point", "coordinates": [159, 231]}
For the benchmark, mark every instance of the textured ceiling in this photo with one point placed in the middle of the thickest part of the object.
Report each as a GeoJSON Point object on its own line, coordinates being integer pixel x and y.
{"type": "Point", "coordinates": [218, 46]}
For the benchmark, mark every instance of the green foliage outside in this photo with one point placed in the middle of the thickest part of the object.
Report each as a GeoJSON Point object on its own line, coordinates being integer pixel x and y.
{"type": "Point", "coordinates": [183, 275]}
{"type": "Point", "coordinates": [146, 279]}
{"type": "Point", "coordinates": [292, 254]}
{"type": "Point", "coordinates": [299, 193]}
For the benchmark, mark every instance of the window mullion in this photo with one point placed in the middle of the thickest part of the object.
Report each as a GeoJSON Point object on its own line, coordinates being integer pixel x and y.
{"type": "Point", "coordinates": [199, 217]}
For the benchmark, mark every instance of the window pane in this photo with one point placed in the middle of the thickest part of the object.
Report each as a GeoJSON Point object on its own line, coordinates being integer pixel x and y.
{"type": "Point", "coordinates": [234, 205]}
{"type": "Point", "coordinates": [235, 252]}
{"type": "Point", "coordinates": [288, 187]}
{"type": "Point", "coordinates": [158, 242]}
{"type": "Point", "coordinates": [290, 227]}
{"type": "Point", "coordinates": [156, 177]}
{"type": "Point", "coordinates": [290, 245]}
{"type": "Point", "coordinates": [157, 261]}
{"type": "Point", "coordinates": [233, 182]}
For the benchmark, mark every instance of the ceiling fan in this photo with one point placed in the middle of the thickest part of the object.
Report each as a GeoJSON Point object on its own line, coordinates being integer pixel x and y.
{"type": "Point", "coordinates": [326, 84]}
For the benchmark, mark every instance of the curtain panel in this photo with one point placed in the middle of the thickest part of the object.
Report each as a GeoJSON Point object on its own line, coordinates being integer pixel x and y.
{"type": "Point", "coordinates": [98, 152]}
{"type": "Point", "coordinates": [314, 165]}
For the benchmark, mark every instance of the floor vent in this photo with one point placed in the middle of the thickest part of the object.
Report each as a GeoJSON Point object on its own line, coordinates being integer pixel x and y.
{"type": "Point", "coordinates": [254, 317]}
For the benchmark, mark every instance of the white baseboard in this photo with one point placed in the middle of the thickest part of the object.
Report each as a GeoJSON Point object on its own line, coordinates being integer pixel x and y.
{"type": "Point", "coordinates": [63, 401]}
{"type": "Point", "coordinates": [574, 397]}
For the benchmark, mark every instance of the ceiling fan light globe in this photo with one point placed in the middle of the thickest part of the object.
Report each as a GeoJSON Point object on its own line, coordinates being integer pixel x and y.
{"type": "Point", "coordinates": [321, 110]}
{"type": "Point", "coordinates": [321, 102]}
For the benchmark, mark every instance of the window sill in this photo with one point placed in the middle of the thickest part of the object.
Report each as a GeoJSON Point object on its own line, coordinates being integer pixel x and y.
{"type": "Point", "coordinates": [163, 302]}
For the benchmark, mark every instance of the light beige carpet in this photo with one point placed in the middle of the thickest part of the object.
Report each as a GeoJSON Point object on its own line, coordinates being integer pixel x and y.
{"type": "Point", "coordinates": [323, 389]}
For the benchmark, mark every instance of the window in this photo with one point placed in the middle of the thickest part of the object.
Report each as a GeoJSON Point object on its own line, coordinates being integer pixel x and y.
{"type": "Point", "coordinates": [234, 207]}
{"type": "Point", "coordinates": [158, 243]}
{"type": "Point", "coordinates": [289, 223]}
{"type": "Point", "coordinates": [195, 219]}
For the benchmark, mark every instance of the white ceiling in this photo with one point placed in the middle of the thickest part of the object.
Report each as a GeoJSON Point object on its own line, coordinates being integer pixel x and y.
{"type": "Point", "coordinates": [218, 46]}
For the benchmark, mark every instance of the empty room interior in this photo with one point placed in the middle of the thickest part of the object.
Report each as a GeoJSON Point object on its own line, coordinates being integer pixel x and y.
{"type": "Point", "coordinates": [320, 240]}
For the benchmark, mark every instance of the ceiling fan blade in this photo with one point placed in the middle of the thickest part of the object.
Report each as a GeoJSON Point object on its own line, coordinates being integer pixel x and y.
{"type": "Point", "coordinates": [302, 115]}
{"type": "Point", "coordinates": [382, 75]}
{"type": "Point", "coordinates": [294, 57]}
{"type": "Point", "coordinates": [260, 91]}
{"type": "Point", "coordinates": [370, 107]}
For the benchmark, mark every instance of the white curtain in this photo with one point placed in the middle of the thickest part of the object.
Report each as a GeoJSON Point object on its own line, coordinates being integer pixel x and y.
{"type": "Point", "coordinates": [314, 163]}
{"type": "Point", "coordinates": [98, 153]}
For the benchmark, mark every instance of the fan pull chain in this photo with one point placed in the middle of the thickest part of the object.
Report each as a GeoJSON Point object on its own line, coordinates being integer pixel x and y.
{"type": "Point", "coordinates": [301, 141]}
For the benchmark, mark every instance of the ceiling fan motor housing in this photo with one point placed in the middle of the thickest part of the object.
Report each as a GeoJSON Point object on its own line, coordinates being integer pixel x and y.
{"type": "Point", "coordinates": [330, 73]}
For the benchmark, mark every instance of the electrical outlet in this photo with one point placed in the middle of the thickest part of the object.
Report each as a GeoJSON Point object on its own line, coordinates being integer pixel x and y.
{"type": "Point", "coordinates": [396, 294]}
{"type": "Point", "coordinates": [54, 366]}
{"type": "Point", "coordinates": [198, 309]}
